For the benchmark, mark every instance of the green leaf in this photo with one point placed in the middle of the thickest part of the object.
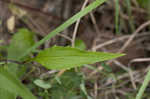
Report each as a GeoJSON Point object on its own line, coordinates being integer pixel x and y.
{"type": "Point", "coordinates": [4, 94]}
{"type": "Point", "coordinates": [67, 57]}
{"type": "Point", "coordinates": [21, 41]}
{"type": "Point", "coordinates": [42, 84]}
{"type": "Point", "coordinates": [10, 83]}
{"type": "Point", "coordinates": [80, 44]}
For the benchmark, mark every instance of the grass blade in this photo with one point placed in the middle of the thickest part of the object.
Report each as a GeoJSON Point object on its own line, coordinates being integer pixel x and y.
{"type": "Point", "coordinates": [117, 16]}
{"type": "Point", "coordinates": [144, 85]}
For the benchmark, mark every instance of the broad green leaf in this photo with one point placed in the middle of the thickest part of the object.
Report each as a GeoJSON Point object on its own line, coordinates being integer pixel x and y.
{"type": "Point", "coordinates": [42, 84]}
{"type": "Point", "coordinates": [67, 57]}
{"type": "Point", "coordinates": [4, 94]}
{"type": "Point", "coordinates": [21, 41]}
{"type": "Point", "coordinates": [80, 44]}
{"type": "Point", "coordinates": [10, 83]}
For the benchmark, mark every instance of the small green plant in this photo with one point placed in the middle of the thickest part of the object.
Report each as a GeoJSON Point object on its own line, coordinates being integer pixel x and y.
{"type": "Point", "coordinates": [23, 46]}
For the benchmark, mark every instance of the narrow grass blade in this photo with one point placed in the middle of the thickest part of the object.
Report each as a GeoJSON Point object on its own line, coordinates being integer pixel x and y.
{"type": "Point", "coordinates": [129, 10]}
{"type": "Point", "coordinates": [117, 16]}
{"type": "Point", "coordinates": [144, 85]}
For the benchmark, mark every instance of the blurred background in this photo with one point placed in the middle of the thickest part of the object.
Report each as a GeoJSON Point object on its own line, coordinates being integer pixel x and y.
{"type": "Point", "coordinates": [116, 26]}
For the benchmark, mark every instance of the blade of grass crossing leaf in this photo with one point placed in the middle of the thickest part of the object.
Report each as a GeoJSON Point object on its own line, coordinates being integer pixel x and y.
{"type": "Point", "coordinates": [144, 85]}
{"type": "Point", "coordinates": [70, 21]}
